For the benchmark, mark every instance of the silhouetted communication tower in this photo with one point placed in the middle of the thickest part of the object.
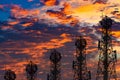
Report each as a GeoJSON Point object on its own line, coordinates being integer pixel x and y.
{"type": "Point", "coordinates": [55, 58]}
{"type": "Point", "coordinates": [107, 57]}
{"type": "Point", "coordinates": [31, 70]}
{"type": "Point", "coordinates": [79, 65]}
{"type": "Point", "coordinates": [9, 75]}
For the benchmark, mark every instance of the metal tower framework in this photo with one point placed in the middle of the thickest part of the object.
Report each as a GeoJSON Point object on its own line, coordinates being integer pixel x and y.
{"type": "Point", "coordinates": [79, 65]}
{"type": "Point", "coordinates": [9, 75]}
{"type": "Point", "coordinates": [31, 70]}
{"type": "Point", "coordinates": [55, 58]}
{"type": "Point", "coordinates": [107, 57]}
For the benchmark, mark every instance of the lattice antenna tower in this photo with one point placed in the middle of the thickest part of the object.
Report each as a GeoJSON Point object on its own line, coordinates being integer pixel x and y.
{"type": "Point", "coordinates": [9, 75]}
{"type": "Point", "coordinates": [79, 64]}
{"type": "Point", "coordinates": [31, 71]}
{"type": "Point", "coordinates": [107, 56]}
{"type": "Point", "coordinates": [55, 64]}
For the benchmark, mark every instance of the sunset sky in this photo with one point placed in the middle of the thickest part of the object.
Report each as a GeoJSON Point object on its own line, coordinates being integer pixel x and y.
{"type": "Point", "coordinates": [29, 29]}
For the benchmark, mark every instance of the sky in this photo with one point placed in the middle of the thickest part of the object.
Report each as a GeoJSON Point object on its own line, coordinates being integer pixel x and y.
{"type": "Point", "coordinates": [29, 29]}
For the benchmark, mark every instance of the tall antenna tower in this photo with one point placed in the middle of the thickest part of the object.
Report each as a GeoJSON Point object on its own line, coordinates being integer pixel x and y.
{"type": "Point", "coordinates": [55, 58]}
{"type": "Point", "coordinates": [107, 57]}
{"type": "Point", "coordinates": [79, 65]}
{"type": "Point", "coordinates": [31, 70]}
{"type": "Point", "coordinates": [9, 75]}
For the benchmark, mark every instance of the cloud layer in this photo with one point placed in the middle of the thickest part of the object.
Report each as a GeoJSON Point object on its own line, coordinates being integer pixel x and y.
{"type": "Point", "coordinates": [31, 33]}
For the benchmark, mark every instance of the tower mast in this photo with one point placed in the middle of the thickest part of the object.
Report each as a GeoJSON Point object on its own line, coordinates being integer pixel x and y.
{"type": "Point", "coordinates": [107, 57]}
{"type": "Point", "coordinates": [55, 58]}
{"type": "Point", "coordinates": [9, 75]}
{"type": "Point", "coordinates": [79, 65]}
{"type": "Point", "coordinates": [31, 71]}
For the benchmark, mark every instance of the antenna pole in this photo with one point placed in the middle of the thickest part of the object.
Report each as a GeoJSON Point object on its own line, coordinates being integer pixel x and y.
{"type": "Point", "coordinates": [79, 65]}
{"type": "Point", "coordinates": [107, 57]}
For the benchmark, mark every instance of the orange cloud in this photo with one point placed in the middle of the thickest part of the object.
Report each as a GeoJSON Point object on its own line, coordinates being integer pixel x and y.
{"type": "Point", "coordinates": [19, 12]}
{"type": "Point", "coordinates": [116, 34]}
{"type": "Point", "coordinates": [49, 2]}
{"type": "Point", "coordinates": [18, 65]}
{"type": "Point", "coordinates": [89, 13]}
{"type": "Point", "coordinates": [85, 11]}
{"type": "Point", "coordinates": [66, 9]}
{"type": "Point", "coordinates": [27, 24]}
{"type": "Point", "coordinates": [55, 43]}
{"type": "Point", "coordinates": [36, 50]}
{"type": "Point", "coordinates": [88, 8]}
{"type": "Point", "coordinates": [13, 22]}
{"type": "Point", "coordinates": [63, 16]}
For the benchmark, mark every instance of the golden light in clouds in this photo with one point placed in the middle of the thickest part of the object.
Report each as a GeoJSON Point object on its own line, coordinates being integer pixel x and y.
{"type": "Point", "coordinates": [88, 13]}
{"type": "Point", "coordinates": [67, 8]}
{"type": "Point", "coordinates": [116, 34]}
{"type": "Point", "coordinates": [55, 43]}
{"type": "Point", "coordinates": [85, 12]}
{"type": "Point", "coordinates": [27, 24]}
{"type": "Point", "coordinates": [13, 22]}
{"type": "Point", "coordinates": [69, 13]}
{"type": "Point", "coordinates": [50, 2]}
{"type": "Point", "coordinates": [92, 13]}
